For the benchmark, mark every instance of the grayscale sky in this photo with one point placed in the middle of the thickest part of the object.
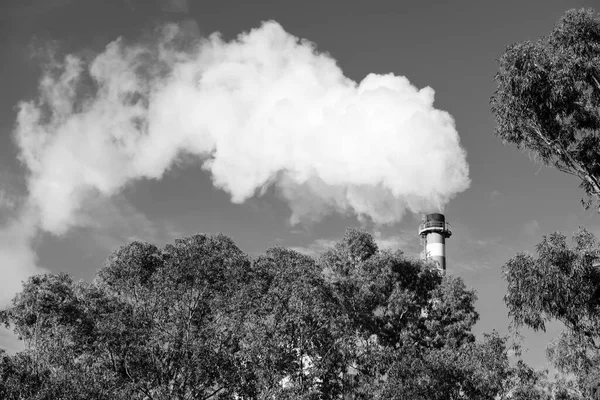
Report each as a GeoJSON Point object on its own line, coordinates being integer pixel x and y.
{"type": "Point", "coordinates": [450, 46]}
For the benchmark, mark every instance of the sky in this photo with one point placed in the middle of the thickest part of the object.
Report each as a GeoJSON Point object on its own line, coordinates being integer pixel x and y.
{"type": "Point", "coordinates": [299, 120]}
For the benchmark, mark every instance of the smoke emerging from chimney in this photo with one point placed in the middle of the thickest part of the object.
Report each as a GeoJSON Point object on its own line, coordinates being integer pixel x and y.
{"type": "Point", "coordinates": [265, 109]}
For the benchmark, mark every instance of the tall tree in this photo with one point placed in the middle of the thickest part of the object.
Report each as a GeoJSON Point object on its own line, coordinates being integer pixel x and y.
{"type": "Point", "coordinates": [548, 98]}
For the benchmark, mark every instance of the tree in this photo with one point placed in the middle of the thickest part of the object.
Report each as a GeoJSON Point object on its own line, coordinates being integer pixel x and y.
{"type": "Point", "coordinates": [561, 283]}
{"type": "Point", "coordinates": [291, 337]}
{"type": "Point", "coordinates": [548, 98]}
{"type": "Point", "coordinates": [199, 319]}
{"type": "Point", "coordinates": [155, 323]}
{"type": "Point", "coordinates": [409, 328]}
{"type": "Point", "coordinates": [548, 102]}
{"type": "Point", "coordinates": [473, 371]}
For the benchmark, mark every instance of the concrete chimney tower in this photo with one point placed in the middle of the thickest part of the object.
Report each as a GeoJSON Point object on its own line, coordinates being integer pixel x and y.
{"type": "Point", "coordinates": [433, 231]}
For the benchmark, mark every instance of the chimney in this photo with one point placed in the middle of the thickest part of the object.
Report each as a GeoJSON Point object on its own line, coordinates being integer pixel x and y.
{"type": "Point", "coordinates": [433, 231]}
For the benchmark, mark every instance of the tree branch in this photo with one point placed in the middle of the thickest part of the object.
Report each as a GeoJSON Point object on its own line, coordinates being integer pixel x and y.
{"type": "Point", "coordinates": [596, 82]}
{"type": "Point", "coordinates": [213, 393]}
{"type": "Point", "coordinates": [580, 170]}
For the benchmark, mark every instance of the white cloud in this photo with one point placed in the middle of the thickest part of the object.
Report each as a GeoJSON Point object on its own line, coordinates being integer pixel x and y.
{"type": "Point", "coordinates": [265, 109]}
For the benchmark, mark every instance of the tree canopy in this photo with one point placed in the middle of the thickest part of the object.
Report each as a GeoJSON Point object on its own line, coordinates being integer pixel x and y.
{"type": "Point", "coordinates": [548, 103]}
{"type": "Point", "coordinates": [199, 319]}
{"type": "Point", "coordinates": [548, 97]}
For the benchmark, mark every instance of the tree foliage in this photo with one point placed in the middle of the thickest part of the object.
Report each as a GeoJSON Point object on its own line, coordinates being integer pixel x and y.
{"type": "Point", "coordinates": [548, 102]}
{"type": "Point", "coordinates": [561, 282]}
{"type": "Point", "coordinates": [548, 97]}
{"type": "Point", "coordinates": [199, 319]}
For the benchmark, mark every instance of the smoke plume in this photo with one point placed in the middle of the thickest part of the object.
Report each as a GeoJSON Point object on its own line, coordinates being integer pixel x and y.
{"type": "Point", "coordinates": [265, 109]}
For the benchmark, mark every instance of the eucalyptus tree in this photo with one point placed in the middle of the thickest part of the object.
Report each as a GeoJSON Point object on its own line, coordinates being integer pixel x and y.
{"type": "Point", "coordinates": [548, 103]}
{"type": "Point", "coordinates": [548, 98]}
{"type": "Point", "coordinates": [199, 319]}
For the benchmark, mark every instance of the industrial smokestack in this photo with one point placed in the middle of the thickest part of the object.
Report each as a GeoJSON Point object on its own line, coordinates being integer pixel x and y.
{"type": "Point", "coordinates": [433, 231]}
